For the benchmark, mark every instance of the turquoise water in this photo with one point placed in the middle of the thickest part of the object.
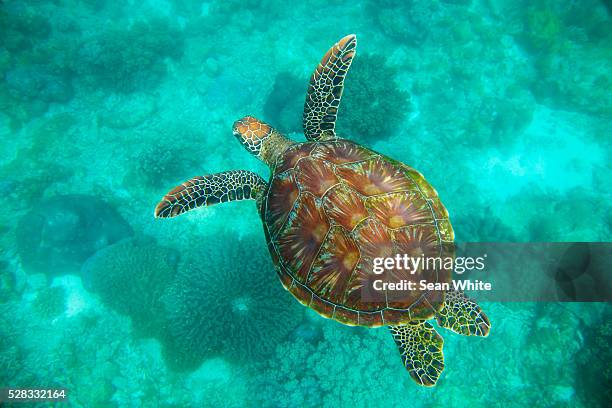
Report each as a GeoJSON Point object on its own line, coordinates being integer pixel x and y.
{"type": "Point", "coordinates": [504, 106]}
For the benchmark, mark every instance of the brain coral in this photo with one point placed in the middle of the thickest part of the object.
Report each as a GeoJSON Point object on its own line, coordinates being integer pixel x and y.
{"type": "Point", "coordinates": [130, 276]}
{"type": "Point", "coordinates": [227, 300]}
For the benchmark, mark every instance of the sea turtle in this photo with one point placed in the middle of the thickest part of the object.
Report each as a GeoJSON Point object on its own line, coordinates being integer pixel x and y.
{"type": "Point", "coordinates": [332, 210]}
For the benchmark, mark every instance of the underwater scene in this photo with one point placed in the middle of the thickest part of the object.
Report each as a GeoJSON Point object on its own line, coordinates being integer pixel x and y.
{"type": "Point", "coordinates": [503, 106]}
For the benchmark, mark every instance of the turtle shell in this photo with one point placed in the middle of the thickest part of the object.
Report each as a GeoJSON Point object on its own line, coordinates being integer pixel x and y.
{"type": "Point", "coordinates": [331, 208]}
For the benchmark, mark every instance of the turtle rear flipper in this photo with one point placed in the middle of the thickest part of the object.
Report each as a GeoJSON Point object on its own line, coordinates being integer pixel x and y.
{"type": "Point", "coordinates": [209, 190]}
{"type": "Point", "coordinates": [463, 315]}
{"type": "Point", "coordinates": [325, 90]}
{"type": "Point", "coordinates": [420, 347]}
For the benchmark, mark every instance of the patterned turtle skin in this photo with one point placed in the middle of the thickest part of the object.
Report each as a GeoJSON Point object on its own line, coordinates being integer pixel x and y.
{"type": "Point", "coordinates": [332, 210]}
{"type": "Point", "coordinates": [334, 206]}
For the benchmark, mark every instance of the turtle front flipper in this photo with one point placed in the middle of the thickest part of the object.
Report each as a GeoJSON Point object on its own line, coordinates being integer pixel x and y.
{"type": "Point", "coordinates": [420, 347]}
{"type": "Point", "coordinates": [209, 190]}
{"type": "Point", "coordinates": [325, 90]}
{"type": "Point", "coordinates": [463, 315]}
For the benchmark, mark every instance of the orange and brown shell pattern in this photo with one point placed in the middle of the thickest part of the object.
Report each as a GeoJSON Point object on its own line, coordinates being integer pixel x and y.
{"type": "Point", "coordinates": [331, 208]}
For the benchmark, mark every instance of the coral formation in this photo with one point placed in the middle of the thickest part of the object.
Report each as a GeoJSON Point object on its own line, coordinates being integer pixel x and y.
{"type": "Point", "coordinates": [495, 121]}
{"type": "Point", "coordinates": [227, 300]}
{"type": "Point", "coordinates": [482, 227]}
{"type": "Point", "coordinates": [163, 165]}
{"type": "Point", "coordinates": [33, 83]}
{"type": "Point", "coordinates": [553, 331]}
{"type": "Point", "coordinates": [571, 53]}
{"type": "Point", "coordinates": [41, 164]}
{"type": "Point", "coordinates": [22, 27]}
{"type": "Point", "coordinates": [477, 117]}
{"type": "Point", "coordinates": [7, 276]}
{"type": "Point", "coordinates": [575, 78]}
{"type": "Point", "coordinates": [373, 106]}
{"type": "Point", "coordinates": [125, 60]}
{"type": "Point", "coordinates": [594, 361]}
{"type": "Point", "coordinates": [306, 374]}
{"type": "Point", "coordinates": [11, 354]}
{"type": "Point", "coordinates": [573, 216]}
{"type": "Point", "coordinates": [30, 83]}
{"type": "Point", "coordinates": [61, 232]}
{"type": "Point", "coordinates": [406, 21]}
{"type": "Point", "coordinates": [50, 302]}
{"type": "Point", "coordinates": [130, 277]}
{"type": "Point", "coordinates": [543, 27]}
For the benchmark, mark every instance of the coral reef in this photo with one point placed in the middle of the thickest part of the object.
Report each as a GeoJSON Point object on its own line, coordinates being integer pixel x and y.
{"type": "Point", "coordinates": [50, 302]}
{"type": "Point", "coordinates": [595, 379]}
{"type": "Point", "coordinates": [373, 106]}
{"type": "Point", "coordinates": [571, 53]}
{"type": "Point", "coordinates": [33, 83]}
{"type": "Point", "coordinates": [11, 354]}
{"type": "Point", "coordinates": [406, 21]}
{"type": "Point", "coordinates": [8, 284]}
{"type": "Point", "coordinates": [42, 163]}
{"type": "Point", "coordinates": [543, 27]}
{"type": "Point", "coordinates": [61, 232]}
{"type": "Point", "coordinates": [575, 79]}
{"type": "Point", "coordinates": [470, 115]}
{"type": "Point", "coordinates": [227, 300]}
{"type": "Point", "coordinates": [126, 60]}
{"type": "Point", "coordinates": [482, 227]}
{"type": "Point", "coordinates": [22, 27]}
{"type": "Point", "coordinates": [495, 121]}
{"type": "Point", "coordinates": [573, 216]}
{"type": "Point", "coordinates": [553, 331]}
{"type": "Point", "coordinates": [162, 165]}
{"type": "Point", "coordinates": [307, 374]}
{"type": "Point", "coordinates": [130, 277]}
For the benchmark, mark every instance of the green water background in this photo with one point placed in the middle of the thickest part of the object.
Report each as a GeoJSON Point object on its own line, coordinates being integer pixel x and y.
{"type": "Point", "coordinates": [505, 107]}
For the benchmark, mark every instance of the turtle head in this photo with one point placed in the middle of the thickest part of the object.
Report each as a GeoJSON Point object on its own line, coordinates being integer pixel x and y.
{"type": "Point", "coordinates": [260, 139]}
